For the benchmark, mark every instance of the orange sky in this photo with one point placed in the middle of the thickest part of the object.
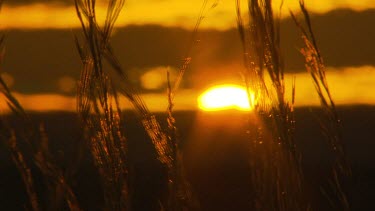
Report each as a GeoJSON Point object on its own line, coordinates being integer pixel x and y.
{"type": "Point", "coordinates": [348, 86]}
{"type": "Point", "coordinates": [166, 12]}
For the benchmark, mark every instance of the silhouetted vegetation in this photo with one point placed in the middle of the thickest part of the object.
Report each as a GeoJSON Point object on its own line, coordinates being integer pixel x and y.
{"type": "Point", "coordinates": [277, 178]}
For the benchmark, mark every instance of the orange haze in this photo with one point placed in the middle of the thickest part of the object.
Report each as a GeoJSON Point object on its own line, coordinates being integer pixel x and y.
{"type": "Point", "coordinates": [166, 13]}
{"type": "Point", "coordinates": [349, 86]}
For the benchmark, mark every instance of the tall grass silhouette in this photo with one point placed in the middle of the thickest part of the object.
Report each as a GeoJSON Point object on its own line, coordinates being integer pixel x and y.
{"type": "Point", "coordinates": [99, 108]}
{"type": "Point", "coordinates": [29, 148]}
{"type": "Point", "coordinates": [277, 178]}
{"type": "Point", "coordinates": [275, 162]}
{"type": "Point", "coordinates": [330, 121]}
{"type": "Point", "coordinates": [8, 135]}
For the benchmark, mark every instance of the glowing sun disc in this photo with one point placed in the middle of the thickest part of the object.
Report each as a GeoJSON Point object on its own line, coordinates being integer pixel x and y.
{"type": "Point", "coordinates": [225, 97]}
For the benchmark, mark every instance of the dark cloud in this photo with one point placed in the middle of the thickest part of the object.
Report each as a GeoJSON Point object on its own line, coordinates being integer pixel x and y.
{"type": "Point", "coordinates": [346, 38]}
{"type": "Point", "coordinates": [37, 59]}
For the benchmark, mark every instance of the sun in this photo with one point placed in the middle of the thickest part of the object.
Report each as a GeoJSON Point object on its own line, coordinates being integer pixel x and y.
{"type": "Point", "coordinates": [226, 97]}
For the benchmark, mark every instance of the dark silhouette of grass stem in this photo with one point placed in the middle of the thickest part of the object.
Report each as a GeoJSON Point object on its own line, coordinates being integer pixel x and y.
{"type": "Point", "coordinates": [275, 161]}
{"type": "Point", "coordinates": [36, 147]}
{"type": "Point", "coordinates": [96, 85]}
{"type": "Point", "coordinates": [181, 196]}
{"type": "Point", "coordinates": [330, 122]}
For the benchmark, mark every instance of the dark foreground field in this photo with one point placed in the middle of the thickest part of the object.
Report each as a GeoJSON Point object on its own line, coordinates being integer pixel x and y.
{"type": "Point", "coordinates": [216, 159]}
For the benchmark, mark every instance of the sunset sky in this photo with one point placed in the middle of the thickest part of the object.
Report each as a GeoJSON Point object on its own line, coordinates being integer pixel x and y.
{"type": "Point", "coordinates": [61, 14]}
{"type": "Point", "coordinates": [85, 129]}
{"type": "Point", "coordinates": [153, 35]}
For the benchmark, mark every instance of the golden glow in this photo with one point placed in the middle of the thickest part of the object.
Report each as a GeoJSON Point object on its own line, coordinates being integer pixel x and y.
{"type": "Point", "coordinates": [41, 103]}
{"type": "Point", "coordinates": [36, 16]}
{"type": "Point", "coordinates": [185, 100]}
{"type": "Point", "coordinates": [66, 84]}
{"type": "Point", "coordinates": [156, 78]}
{"type": "Point", "coordinates": [225, 97]}
{"type": "Point", "coordinates": [166, 13]}
{"type": "Point", "coordinates": [349, 86]}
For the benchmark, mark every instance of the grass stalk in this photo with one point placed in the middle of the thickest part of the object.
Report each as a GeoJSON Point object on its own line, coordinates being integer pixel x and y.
{"type": "Point", "coordinates": [36, 147]}
{"type": "Point", "coordinates": [275, 161]}
{"type": "Point", "coordinates": [181, 196]}
{"type": "Point", "coordinates": [96, 94]}
{"type": "Point", "coordinates": [330, 121]}
{"type": "Point", "coordinates": [97, 51]}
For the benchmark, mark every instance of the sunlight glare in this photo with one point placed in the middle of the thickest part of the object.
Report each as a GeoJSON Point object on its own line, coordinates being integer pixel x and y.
{"type": "Point", "coordinates": [225, 97]}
